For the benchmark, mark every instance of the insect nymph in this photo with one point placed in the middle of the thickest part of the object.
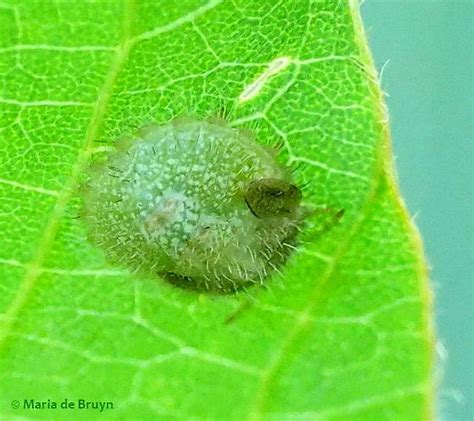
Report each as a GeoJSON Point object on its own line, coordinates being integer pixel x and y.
{"type": "Point", "coordinates": [198, 203]}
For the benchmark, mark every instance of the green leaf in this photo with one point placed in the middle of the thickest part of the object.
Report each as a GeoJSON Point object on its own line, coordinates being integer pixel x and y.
{"type": "Point", "coordinates": [344, 333]}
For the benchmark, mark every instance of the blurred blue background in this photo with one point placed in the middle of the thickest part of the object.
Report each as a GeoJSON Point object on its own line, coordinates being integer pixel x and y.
{"type": "Point", "coordinates": [429, 80]}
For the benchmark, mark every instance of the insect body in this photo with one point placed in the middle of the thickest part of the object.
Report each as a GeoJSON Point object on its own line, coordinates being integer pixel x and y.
{"type": "Point", "coordinates": [199, 203]}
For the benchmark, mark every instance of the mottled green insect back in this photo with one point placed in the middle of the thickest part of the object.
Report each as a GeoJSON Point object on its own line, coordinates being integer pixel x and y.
{"type": "Point", "coordinates": [200, 204]}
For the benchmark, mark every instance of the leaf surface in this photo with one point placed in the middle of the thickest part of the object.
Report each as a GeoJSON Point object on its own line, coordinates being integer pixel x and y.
{"type": "Point", "coordinates": [343, 333]}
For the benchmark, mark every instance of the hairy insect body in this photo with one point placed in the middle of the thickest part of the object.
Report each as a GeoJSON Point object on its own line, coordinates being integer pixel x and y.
{"type": "Point", "coordinates": [201, 204]}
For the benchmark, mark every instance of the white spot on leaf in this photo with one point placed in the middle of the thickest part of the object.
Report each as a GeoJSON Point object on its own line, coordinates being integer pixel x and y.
{"type": "Point", "coordinates": [275, 67]}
